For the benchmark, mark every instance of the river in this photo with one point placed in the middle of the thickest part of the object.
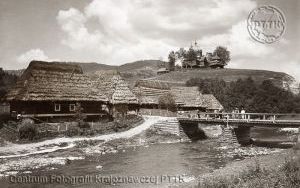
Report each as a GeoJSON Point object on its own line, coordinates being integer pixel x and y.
{"type": "Point", "coordinates": [184, 160]}
{"type": "Point", "coordinates": [146, 165]}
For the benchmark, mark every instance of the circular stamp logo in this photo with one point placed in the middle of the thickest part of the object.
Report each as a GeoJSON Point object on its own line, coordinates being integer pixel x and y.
{"type": "Point", "coordinates": [266, 24]}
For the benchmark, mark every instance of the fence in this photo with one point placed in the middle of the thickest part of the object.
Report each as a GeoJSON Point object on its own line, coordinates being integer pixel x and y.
{"type": "Point", "coordinates": [158, 112]}
{"type": "Point", "coordinates": [4, 108]}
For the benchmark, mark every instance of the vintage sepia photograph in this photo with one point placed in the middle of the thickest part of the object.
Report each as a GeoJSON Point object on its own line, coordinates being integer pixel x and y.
{"type": "Point", "coordinates": [149, 93]}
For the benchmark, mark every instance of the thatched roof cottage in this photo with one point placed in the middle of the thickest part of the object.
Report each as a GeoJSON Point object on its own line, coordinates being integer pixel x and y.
{"type": "Point", "coordinates": [116, 89]}
{"type": "Point", "coordinates": [54, 89]}
{"type": "Point", "coordinates": [186, 98]}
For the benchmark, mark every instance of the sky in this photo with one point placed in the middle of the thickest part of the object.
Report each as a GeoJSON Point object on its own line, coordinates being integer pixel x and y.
{"type": "Point", "coordinates": [115, 32]}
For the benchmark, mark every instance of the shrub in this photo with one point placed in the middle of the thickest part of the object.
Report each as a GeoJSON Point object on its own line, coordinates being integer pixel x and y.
{"type": "Point", "coordinates": [73, 131]}
{"type": "Point", "coordinates": [83, 125]}
{"type": "Point", "coordinates": [28, 131]}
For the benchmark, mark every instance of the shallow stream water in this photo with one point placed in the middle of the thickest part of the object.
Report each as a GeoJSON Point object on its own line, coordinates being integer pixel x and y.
{"type": "Point", "coordinates": [156, 165]}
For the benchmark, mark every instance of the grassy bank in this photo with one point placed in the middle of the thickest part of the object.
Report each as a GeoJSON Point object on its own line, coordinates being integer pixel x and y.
{"type": "Point", "coordinates": [272, 171]}
{"type": "Point", "coordinates": [27, 131]}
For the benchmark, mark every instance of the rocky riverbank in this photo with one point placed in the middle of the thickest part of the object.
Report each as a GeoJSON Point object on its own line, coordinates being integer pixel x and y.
{"type": "Point", "coordinates": [51, 152]}
{"type": "Point", "coordinates": [249, 169]}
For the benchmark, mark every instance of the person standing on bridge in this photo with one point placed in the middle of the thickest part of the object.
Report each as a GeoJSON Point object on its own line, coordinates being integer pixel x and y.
{"type": "Point", "coordinates": [235, 113]}
{"type": "Point", "coordinates": [243, 113]}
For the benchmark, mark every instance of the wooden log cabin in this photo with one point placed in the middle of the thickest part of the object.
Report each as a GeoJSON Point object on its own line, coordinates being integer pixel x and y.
{"type": "Point", "coordinates": [54, 89]}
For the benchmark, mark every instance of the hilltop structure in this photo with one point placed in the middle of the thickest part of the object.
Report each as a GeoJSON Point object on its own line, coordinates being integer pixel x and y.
{"type": "Point", "coordinates": [191, 59]}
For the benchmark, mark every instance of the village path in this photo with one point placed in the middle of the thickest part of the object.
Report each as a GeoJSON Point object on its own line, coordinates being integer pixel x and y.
{"type": "Point", "coordinates": [19, 150]}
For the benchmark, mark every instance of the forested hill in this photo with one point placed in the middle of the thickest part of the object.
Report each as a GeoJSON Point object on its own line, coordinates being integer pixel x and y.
{"type": "Point", "coordinates": [250, 95]}
{"type": "Point", "coordinates": [7, 80]}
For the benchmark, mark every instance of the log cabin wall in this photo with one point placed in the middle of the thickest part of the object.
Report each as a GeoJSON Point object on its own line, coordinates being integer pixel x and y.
{"type": "Point", "coordinates": [48, 107]}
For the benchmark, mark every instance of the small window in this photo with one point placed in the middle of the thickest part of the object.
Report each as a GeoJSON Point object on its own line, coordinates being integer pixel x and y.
{"type": "Point", "coordinates": [57, 107]}
{"type": "Point", "coordinates": [72, 107]}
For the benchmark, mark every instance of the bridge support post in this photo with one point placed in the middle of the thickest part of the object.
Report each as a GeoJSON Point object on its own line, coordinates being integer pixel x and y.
{"type": "Point", "coordinates": [243, 135]}
{"type": "Point", "coordinates": [298, 141]}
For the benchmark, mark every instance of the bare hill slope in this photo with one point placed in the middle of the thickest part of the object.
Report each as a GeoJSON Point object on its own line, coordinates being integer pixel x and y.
{"type": "Point", "coordinates": [279, 78]}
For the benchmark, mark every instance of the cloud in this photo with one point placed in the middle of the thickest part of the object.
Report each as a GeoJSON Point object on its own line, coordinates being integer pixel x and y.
{"type": "Point", "coordinates": [291, 67]}
{"type": "Point", "coordinates": [72, 22]}
{"type": "Point", "coordinates": [117, 32]}
{"type": "Point", "coordinates": [129, 30]}
{"type": "Point", "coordinates": [33, 54]}
{"type": "Point", "coordinates": [238, 41]}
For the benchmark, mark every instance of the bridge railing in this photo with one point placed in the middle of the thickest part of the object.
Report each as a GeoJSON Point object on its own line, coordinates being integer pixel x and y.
{"type": "Point", "coordinates": [243, 116]}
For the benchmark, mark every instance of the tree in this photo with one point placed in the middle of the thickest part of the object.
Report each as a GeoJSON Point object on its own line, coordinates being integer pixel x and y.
{"type": "Point", "coordinates": [80, 116]}
{"type": "Point", "coordinates": [167, 101]}
{"type": "Point", "coordinates": [191, 54]}
{"type": "Point", "coordinates": [181, 53]}
{"type": "Point", "coordinates": [171, 61]}
{"type": "Point", "coordinates": [223, 53]}
{"type": "Point", "coordinates": [250, 95]}
{"type": "Point", "coordinates": [121, 109]}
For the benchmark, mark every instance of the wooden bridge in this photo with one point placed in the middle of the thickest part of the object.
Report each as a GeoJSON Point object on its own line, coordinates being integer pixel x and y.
{"type": "Point", "coordinates": [244, 119]}
{"type": "Point", "coordinates": [239, 123]}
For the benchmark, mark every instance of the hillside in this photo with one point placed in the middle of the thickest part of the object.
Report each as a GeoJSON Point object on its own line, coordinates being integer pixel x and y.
{"type": "Point", "coordinates": [279, 79]}
{"type": "Point", "coordinates": [131, 72]}
{"type": "Point", "coordinates": [137, 65]}
{"type": "Point", "coordinates": [143, 64]}
{"type": "Point", "coordinates": [146, 69]}
{"type": "Point", "coordinates": [92, 67]}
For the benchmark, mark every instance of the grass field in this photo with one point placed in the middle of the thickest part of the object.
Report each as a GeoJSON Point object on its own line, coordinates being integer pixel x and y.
{"type": "Point", "coordinates": [226, 74]}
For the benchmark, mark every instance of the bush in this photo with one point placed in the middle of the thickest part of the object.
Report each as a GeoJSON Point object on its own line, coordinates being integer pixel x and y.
{"type": "Point", "coordinates": [73, 131]}
{"type": "Point", "coordinates": [84, 125]}
{"type": "Point", "coordinates": [3, 119]}
{"type": "Point", "coordinates": [28, 131]}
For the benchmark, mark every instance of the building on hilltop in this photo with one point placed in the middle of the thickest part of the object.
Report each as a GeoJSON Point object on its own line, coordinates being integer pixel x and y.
{"type": "Point", "coordinates": [162, 70]}
{"type": "Point", "coordinates": [193, 58]}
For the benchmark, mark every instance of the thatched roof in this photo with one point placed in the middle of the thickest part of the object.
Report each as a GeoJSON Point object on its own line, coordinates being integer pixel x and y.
{"type": "Point", "coordinates": [114, 87]}
{"type": "Point", "coordinates": [148, 95]}
{"type": "Point", "coordinates": [187, 96]}
{"type": "Point", "coordinates": [211, 103]}
{"type": "Point", "coordinates": [54, 81]}
{"type": "Point", "coordinates": [183, 96]}
{"type": "Point", "coordinates": [54, 67]}
{"type": "Point", "coordinates": [122, 94]}
{"type": "Point", "coordinates": [149, 92]}
{"type": "Point", "coordinates": [153, 84]}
